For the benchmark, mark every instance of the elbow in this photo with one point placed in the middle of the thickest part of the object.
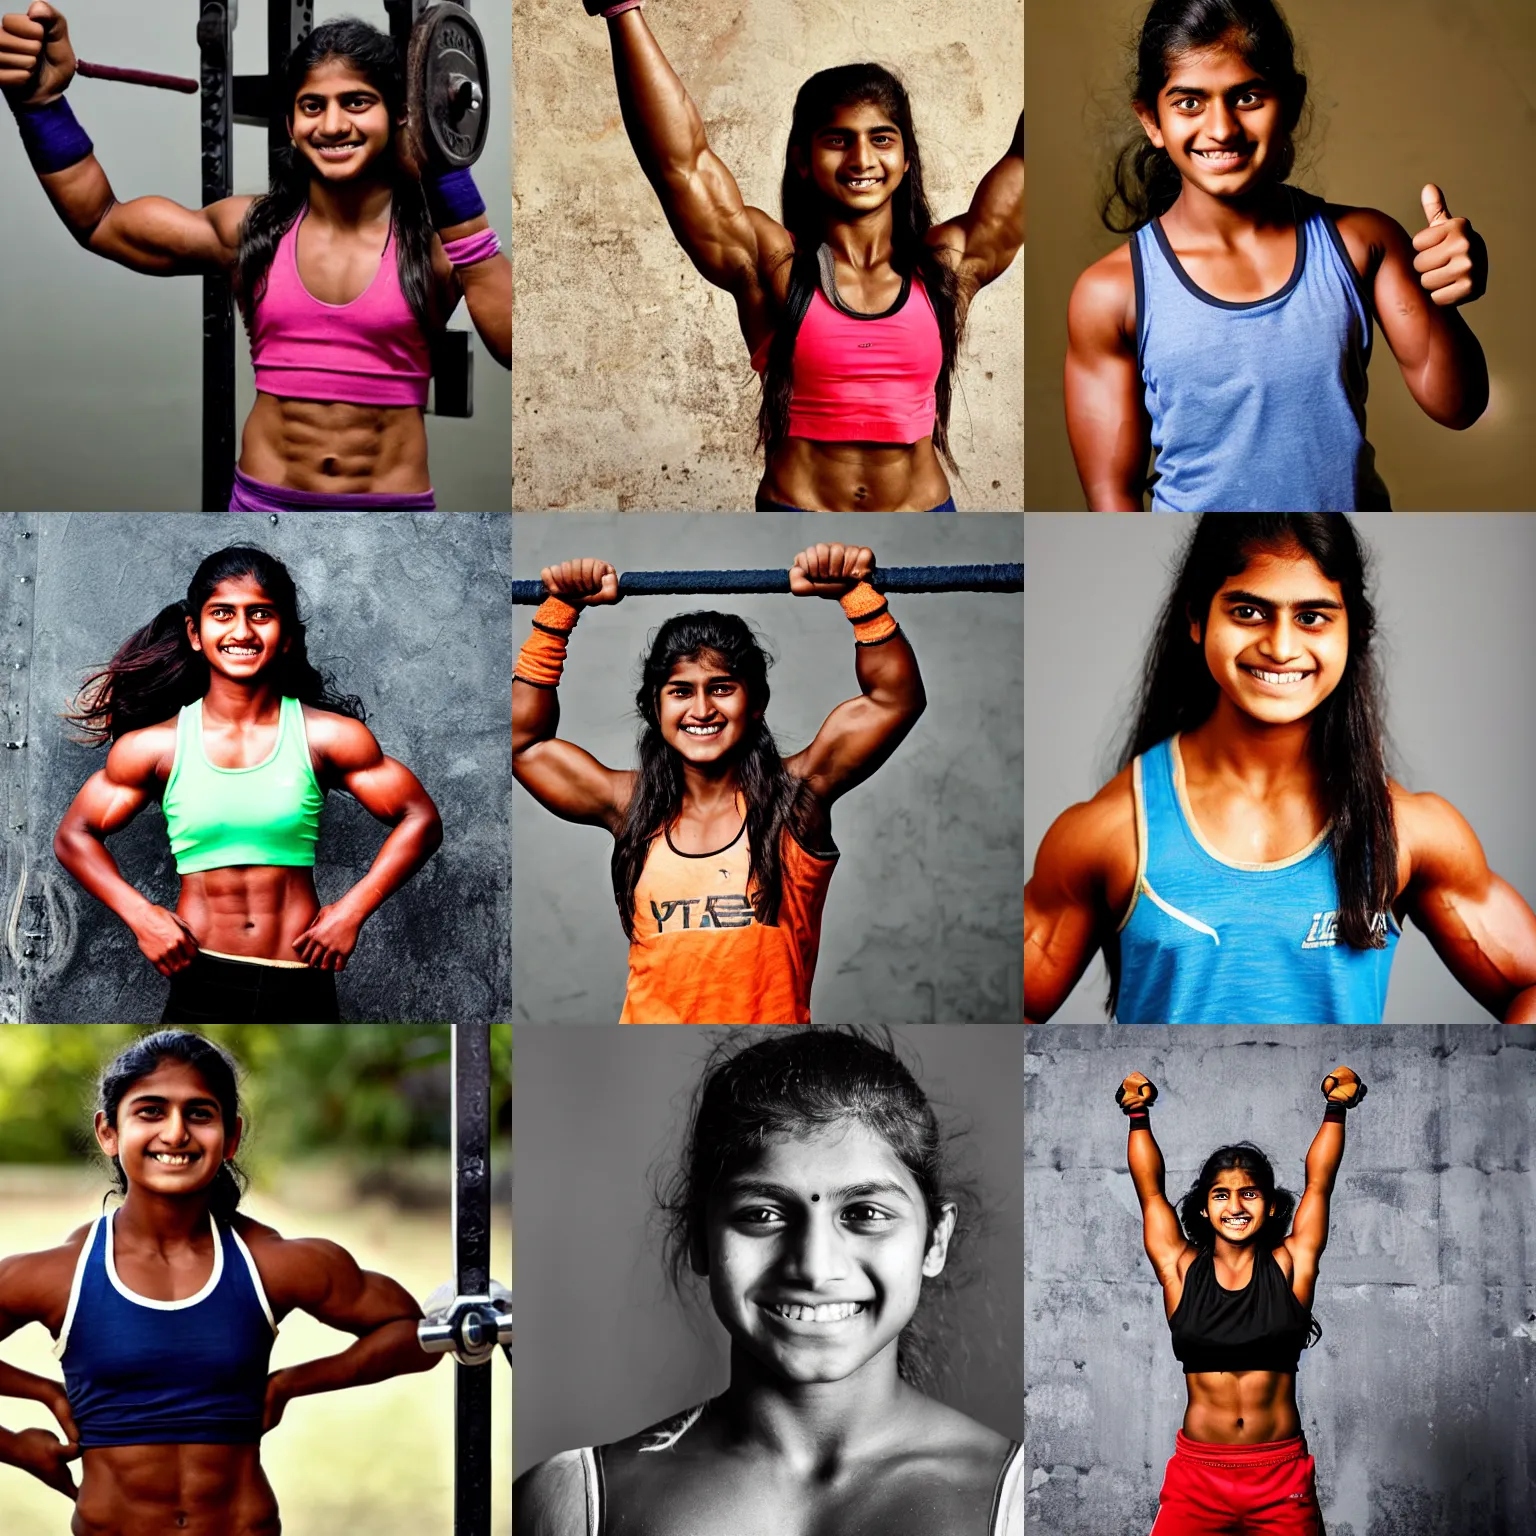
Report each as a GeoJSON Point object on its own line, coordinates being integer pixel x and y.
{"type": "Point", "coordinates": [431, 831]}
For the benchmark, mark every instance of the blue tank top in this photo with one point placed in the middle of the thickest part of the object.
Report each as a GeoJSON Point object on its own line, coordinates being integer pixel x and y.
{"type": "Point", "coordinates": [1258, 406]}
{"type": "Point", "coordinates": [144, 1372]}
{"type": "Point", "coordinates": [1207, 940]}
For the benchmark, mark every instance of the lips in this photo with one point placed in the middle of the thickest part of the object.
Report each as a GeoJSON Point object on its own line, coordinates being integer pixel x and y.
{"type": "Point", "coordinates": [1218, 158]}
{"type": "Point", "coordinates": [822, 1312]}
{"type": "Point", "coordinates": [863, 183]}
{"type": "Point", "coordinates": [1288, 678]}
{"type": "Point", "coordinates": [703, 732]}
{"type": "Point", "coordinates": [173, 1159]}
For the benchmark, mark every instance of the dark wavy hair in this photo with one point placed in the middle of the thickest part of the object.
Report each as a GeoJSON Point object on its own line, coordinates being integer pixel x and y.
{"type": "Point", "coordinates": [758, 1088]}
{"type": "Point", "coordinates": [156, 671]}
{"type": "Point", "coordinates": [375, 57]}
{"type": "Point", "coordinates": [775, 798]}
{"type": "Point", "coordinates": [218, 1070]}
{"type": "Point", "coordinates": [1249, 1159]}
{"type": "Point", "coordinates": [1144, 182]}
{"type": "Point", "coordinates": [805, 217]}
{"type": "Point", "coordinates": [1348, 737]}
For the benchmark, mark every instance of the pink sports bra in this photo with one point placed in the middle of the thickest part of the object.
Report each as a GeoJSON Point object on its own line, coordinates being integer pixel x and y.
{"type": "Point", "coordinates": [865, 378]}
{"type": "Point", "coordinates": [369, 352]}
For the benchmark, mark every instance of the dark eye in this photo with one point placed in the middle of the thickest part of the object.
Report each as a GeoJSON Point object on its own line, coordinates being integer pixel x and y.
{"type": "Point", "coordinates": [867, 1215]}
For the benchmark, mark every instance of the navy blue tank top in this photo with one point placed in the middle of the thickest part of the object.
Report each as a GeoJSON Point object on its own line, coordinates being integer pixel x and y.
{"type": "Point", "coordinates": [145, 1372]}
{"type": "Point", "coordinates": [1207, 940]}
{"type": "Point", "coordinates": [1258, 406]}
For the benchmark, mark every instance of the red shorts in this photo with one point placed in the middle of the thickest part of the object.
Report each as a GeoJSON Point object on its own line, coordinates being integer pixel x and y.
{"type": "Point", "coordinates": [1239, 1490]}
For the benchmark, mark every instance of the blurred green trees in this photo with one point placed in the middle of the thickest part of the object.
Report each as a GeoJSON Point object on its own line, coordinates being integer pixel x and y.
{"type": "Point", "coordinates": [307, 1089]}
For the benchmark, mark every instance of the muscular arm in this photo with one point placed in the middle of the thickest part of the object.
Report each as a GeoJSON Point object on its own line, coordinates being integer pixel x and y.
{"type": "Point", "coordinates": [1162, 1236]}
{"type": "Point", "coordinates": [1107, 422]}
{"type": "Point", "coordinates": [26, 1281]}
{"type": "Point", "coordinates": [987, 237]}
{"type": "Point", "coordinates": [1479, 925]}
{"type": "Point", "coordinates": [725, 240]}
{"type": "Point", "coordinates": [1441, 360]}
{"type": "Point", "coordinates": [487, 290]}
{"type": "Point", "coordinates": [1309, 1231]}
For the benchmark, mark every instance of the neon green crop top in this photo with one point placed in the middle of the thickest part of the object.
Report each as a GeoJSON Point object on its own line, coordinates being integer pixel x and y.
{"type": "Point", "coordinates": [268, 814]}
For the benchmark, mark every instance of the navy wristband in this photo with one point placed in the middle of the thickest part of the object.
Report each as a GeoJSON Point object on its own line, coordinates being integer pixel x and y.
{"type": "Point", "coordinates": [52, 138]}
{"type": "Point", "coordinates": [452, 198]}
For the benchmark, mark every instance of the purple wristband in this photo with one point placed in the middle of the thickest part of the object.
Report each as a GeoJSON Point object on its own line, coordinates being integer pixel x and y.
{"type": "Point", "coordinates": [52, 138]}
{"type": "Point", "coordinates": [608, 12]}
{"type": "Point", "coordinates": [468, 250]}
{"type": "Point", "coordinates": [452, 198]}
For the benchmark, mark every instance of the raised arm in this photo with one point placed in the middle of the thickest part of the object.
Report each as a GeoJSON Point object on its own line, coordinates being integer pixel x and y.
{"type": "Point", "coordinates": [859, 735]}
{"type": "Point", "coordinates": [1309, 1231]}
{"type": "Point", "coordinates": [560, 776]}
{"type": "Point", "coordinates": [25, 1281]}
{"type": "Point", "coordinates": [1418, 287]}
{"type": "Point", "coordinates": [726, 241]}
{"type": "Point", "coordinates": [1479, 925]}
{"type": "Point", "coordinates": [985, 239]}
{"type": "Point", "coordinates": [1161, 1235]}
{"type": "Point", "coordinates": [148, 234]}
{"type": "Point", "coordinates": [389, 791]}
{"type": "Point", "coordinates": [1107, 421]}
{"type": "Point", "coordinates": [106, 803]}
{"type": "Point", "coordinates": [468, 257]}
{"type": "Point", "coordinates": [324, 1280]}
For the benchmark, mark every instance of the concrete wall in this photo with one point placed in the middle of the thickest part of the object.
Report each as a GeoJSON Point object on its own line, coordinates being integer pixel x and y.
{"type": "Point", "coordinates": [631, 381]}
{"type": "Point", "coordinates": [399, 608]}
{"type": "Point", "coordinates": [1389, 80]}
{"type": "Point", "coordinates": [1451, 597]}
{"type": "Point", "coordinates": [923, 920]}
{"type": "Point", "coordinates": [1416, 1403]}
{"type": "Point", "coordinates": [604, 1348]}
{"type": "Point", "coordinates": [104, 367]}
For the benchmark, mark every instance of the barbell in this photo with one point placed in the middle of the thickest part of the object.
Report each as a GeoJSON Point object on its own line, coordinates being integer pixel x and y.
{"type": "Point", "coordinates": [894, 578]}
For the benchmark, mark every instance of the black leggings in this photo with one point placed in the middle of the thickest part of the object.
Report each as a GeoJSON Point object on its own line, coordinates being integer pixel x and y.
{"type": "Point", "coordinates": [213, 990]}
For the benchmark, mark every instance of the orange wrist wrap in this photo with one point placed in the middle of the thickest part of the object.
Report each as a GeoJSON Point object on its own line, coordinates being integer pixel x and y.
{"type": "Point", "coordinates": [870, 614]}
{"type": "Point", "coordinates": [542, 657]}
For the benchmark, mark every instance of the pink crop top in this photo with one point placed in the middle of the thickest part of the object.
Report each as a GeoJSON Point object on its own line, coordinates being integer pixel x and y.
{"type": "Point", "coordinates": [369, 352]}
{"type": "Point", "coordinates": [865, 379]}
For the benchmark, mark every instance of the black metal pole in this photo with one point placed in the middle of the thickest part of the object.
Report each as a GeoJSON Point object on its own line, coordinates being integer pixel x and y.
{"type": "Point", "coordinates": [472, 1271]}
{"type": "Point", "coordinates": [288, 24]}
{"type": "Point", "coordinates": [215, 41]}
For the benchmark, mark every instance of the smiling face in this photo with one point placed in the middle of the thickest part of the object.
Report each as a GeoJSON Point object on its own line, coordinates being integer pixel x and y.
{"type": "Point", "coordinates": [857, 158]}
{"type": "Point", "coordinates": [169, 1132]}
{"type": "Point", "coordinates": [1276, 637]}
{"type": "Point", "coordinates": [702, 711]}
{"type": "Point", "coordinates": [240, 630]}
{"type": "Point", "coordinates": [340, 123]}
{"type": "Point", "coordinates": [1222, 124]}
{"type": "Point", "coordinates": [817, 1251]}
{"type": "Point", "coordinates": [1236, 1206]}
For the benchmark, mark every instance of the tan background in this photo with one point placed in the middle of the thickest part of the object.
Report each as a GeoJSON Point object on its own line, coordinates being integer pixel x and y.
{"type": "Point", "coordinates": [1403, 92]}
{"type": "Point", "coordinates": [631, 383]}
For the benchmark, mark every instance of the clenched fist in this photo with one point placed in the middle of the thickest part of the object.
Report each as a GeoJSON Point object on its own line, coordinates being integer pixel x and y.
{"type": "Point", "coordinates": [829, 570]}
{"type": "Point", "coordinates": [582, 583]}
{"type": "Point", "coordinates": [36, 60]}
{"type": "Point", "coordinates": [1135, 1093]}
{"type": "Point", "coordinates": [1341, 1086]}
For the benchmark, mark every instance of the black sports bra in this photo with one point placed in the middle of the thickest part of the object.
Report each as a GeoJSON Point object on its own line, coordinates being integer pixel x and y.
{"type": "Point", "coordinates": [1259, 1328]}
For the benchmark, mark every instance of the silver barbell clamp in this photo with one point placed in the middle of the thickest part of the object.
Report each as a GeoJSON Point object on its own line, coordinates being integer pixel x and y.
{"type": "Point", "coordinates": [470, 1328]}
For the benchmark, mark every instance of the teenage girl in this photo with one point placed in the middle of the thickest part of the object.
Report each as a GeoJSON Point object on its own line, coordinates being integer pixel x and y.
{"type": "Point", "coordinates": [165, 1311]}
{"type": "Point", "coordinates": [1238, 1280]}
{"type": "Point", "coordinates": [1232, 333]}
{"type": "Point", "coordinates": [814, 1196]}
{"type": "Point", "coordinates": [1252, 863]}
{"type": "Point", "coordinates": [722, 849]}
{"type": "Point", "coordinates": [214, 710]}
{"type": "Point", "coordinates": [343, 271]}
{"type": "Point", "coordinates": [853, 307]}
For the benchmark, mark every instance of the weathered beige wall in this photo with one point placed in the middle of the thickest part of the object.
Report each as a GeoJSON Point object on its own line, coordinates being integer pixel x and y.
{"type": "Point", "coordinates": [631, 384]}
{"type": "Point", "coordinates": [1403, 92]}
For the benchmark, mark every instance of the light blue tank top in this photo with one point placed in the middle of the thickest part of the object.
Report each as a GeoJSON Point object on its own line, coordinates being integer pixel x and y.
{"type": "Point", "coordinates": [1258, 406]}
{"type": "Point", "coordinates": [1211, 941]}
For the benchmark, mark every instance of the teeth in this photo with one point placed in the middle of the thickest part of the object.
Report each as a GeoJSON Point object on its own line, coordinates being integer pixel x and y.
{"type": "Point", "coordinates": [829, 1312]}
{"type": "Point", "coordinates": [172, 1159]}
{"type": "Point", "coordinates": [703, 730]}
{"type": "Point", "coordinates": [1277, 677]}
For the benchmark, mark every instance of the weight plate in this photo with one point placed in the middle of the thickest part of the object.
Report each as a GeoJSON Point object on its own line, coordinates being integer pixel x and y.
{"type": "Point", "coordinates": [450, 85]}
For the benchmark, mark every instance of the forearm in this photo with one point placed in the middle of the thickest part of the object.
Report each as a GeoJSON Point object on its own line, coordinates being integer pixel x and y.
{"type": "Point", "coordinates": [87, 859]}
{"type": "Point", "coordinates": [488, 295]}
{"type": "Point", "coordinates": [888, 675]}
{"type": "Point", "coordinates": [1452, 383]}
{"type": "Point", "coordinates": [1145, 1160]}
{"type": "Point", "coordinates": [391, 1350]}
{"type": "Point", "coordinates": [1324, 1156]}
{"type": "Point", "coordinates": [15, 1382]}
{"type": "Point", "coordinates": [664, 126]}
{"type": "Point", "coordinates": [411, 842]}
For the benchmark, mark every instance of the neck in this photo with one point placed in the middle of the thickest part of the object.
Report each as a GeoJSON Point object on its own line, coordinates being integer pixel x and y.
{"type": "Point", "coordinates": [815, 1426]}
{"type": "Point", "coordinates": [1234, 1256]}
{"type": "Point", "coordinates": [350, 204]}
{"type": "Point", "coordinates": [1259, 758]}
{"type": "Point", "coordinates": [253, 703]}
{"type": "Point", "coordinates": [863, 241]}
{"type": "Point", "coordinates": [161, 1221]}
{"type": "Point", "coordinates": [1226, 220]}
{"type": "Point", "coordinates": [709, 788]}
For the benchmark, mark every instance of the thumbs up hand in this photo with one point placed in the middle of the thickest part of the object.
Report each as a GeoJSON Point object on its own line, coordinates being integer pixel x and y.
{"type": "Point", "coordinates": [1453, 261]}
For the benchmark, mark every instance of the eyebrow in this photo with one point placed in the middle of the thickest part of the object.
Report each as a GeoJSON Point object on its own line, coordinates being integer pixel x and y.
{"type": "Point", "coordinates": [159, 1098]}
{"type": "Point", "coordinates": [1195, 90]}
{"type": "Point", "coordinates": [840, 128]}
{"type": "Point", "coordinates": [783, 1192]}
{"type": "Point", "coordinates": [1269, 602]}
{"type": "Point", "coordinates": [709, 682]}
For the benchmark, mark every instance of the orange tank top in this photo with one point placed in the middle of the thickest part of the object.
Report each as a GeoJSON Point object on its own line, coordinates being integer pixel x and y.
{"type": "Point", "coordinates": [699, 954]}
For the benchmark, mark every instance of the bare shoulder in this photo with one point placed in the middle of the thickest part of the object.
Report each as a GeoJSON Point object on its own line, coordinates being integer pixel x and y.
{"type": "Point", "coordinates": [343, 742]}
{"type": "Point", "coordinates": [1091, 847]}
{"type": "Point", "coordinates": [1434, 839]}
{"type": "Point", "coordinates": [1368, 234]}
{"type": "Point", "coordinates": [227, 216]}
{"type": "Point", "coordinates": [954, 1435]}
{"type": "Point", "coordinates": [35, 1287]}
{"type": "Point", "coordinates": [551, 1498]}
{"type": "Point", "coordinates": [1103, 302]}
{"type": "Point", "coordinates": [139, 758]}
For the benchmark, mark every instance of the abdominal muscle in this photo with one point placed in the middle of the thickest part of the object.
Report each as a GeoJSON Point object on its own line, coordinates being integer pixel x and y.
{"type": "Point", "coordinates": [174, 1490]}
{"type": "Point", "coordinates": [334, 448]}
{"type": "Point", "coordinates": [856, 477]}
{"type": "Point", "coordinates": [1241, 1407]}
{"type": "Point", "coordinates": [250, 911]}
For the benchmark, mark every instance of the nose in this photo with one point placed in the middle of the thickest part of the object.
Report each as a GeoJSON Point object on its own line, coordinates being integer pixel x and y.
{"type": "Point", "coordinates": [335, 120]}
{"type": "Point", "coordinates": [174, 1131]}
{"type": "Point", "coordinates": [1281, 643]}
{"type": "Point", "coordinates": [817, 1256]}
{"type": "Point", "coordinates": [1222, 124]}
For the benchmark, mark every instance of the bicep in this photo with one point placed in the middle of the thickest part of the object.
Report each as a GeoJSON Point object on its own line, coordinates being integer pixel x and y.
{"type": "Point", "coordinates": [1162, 1237]}
{"type": "Point", "coordinates": [110, 798]}
{"type": "Point", "coordinates": [986, 238]}
{"type": "Point", "coordinates": [1063, 921]}
{"type": "Point", "coordinates": [388, 790]}
{"type": "Point", "coordinates": [568, 781]}
{"type": "Point", "coordinates": [720, 235]}
{"type": "Point", "coordinates": [1107, 421]}
{"type": "Point", "coordinates": [1404, 311]}
{"type": "Point", "coordinates": [333, 1288]}
{"type": "Point", "coordinates": [155, 236]}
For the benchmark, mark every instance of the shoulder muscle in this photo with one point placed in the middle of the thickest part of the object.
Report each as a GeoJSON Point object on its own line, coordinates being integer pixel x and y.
{"type": "Point", "coordinates": [551, 1498]}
